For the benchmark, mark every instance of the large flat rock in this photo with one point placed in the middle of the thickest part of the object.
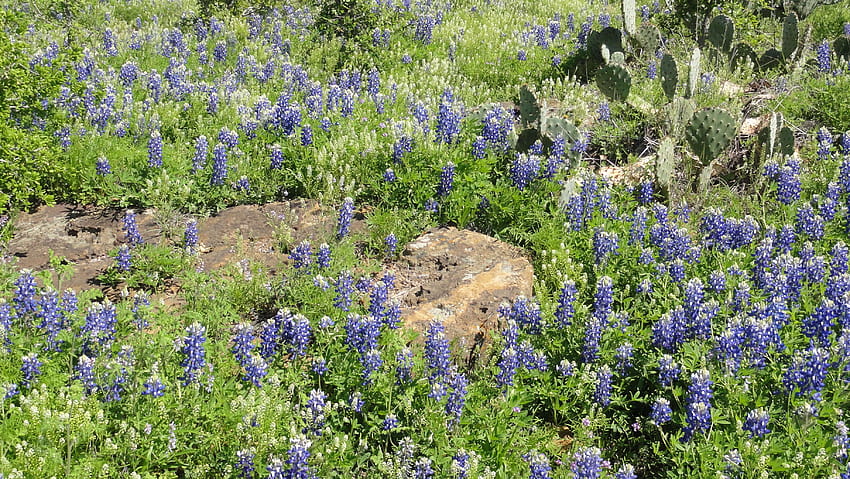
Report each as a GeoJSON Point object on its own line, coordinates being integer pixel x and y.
{"type": "Point", "coordinates": [460, 277]}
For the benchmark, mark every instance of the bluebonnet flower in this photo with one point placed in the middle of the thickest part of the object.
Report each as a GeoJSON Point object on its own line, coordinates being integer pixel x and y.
{"type": "Point", "coordinates": [446, 179]}
{"type": "Point", "coordinates": [668, 333]}
{"type": "Point", "coordinates": [52, 319]}
{"type": "Point", "coordinates": [788, 184]}
{"type": "Point", "coordinates": [276, 158]}
{"type": "Point", "coordinates": [592, 337]}
{"type": "Point", "coordinates": [390, 422]}
{"type": "Point", "coordinates": [661, 412]}
{"type": "Point", "coordinates": [645, 286]}
{"type": "Point", "coordinates": [155, 150]}
{"type": "Point", "coordinates": [154, 387]}
{"type": "Point", "coordinates": [603, 112]}
{"type": "Point", "coordinates": [624, 358]}
{"type": "Point", "coordinates": [604, 244]}
{"type": "Point", "coordinates": [85, 373]}
{"type": "Point", "coordinates": [30, 368]}
{"type": "Point", "coordinates": [524, 170]}
{"type": "Point", "coordinates": [362, 332]}
{"type": "Point", "coordinates": [115, 378]}
{"type": "Point", "coordinates": [219, 167]}
{"type": "Point", "coordinates": [698, 407]}
{"type": "Point", "coordinates": [316, 410]}
{"type": "Point", "coordinates": [243, 342]}
{"type": "Point", "coordinates": [587, 463]}
{"type": "Point", "coordinates": [676, 270]}
{"type": "Point", "coordinates": [343, 285]}
{"type": "Point", "coordinates": [449, 116]}
{"type": "Point", "coordinates": [437, 354]}
{"type": "Point", "coordinates": [756, 422]}
{"type": "Point", "coordinates": [566, 310]}
{"type": "Point", "coordinates": [538, 465]}
{"type": "Point", "coordinates": [356, 401]}
{"type": "Point", "coordinates": [507, 365]}
{"type": "Point", "coordinates": [819, 324]}
{"type": "Point", "coordinates": [190, 236]}
{"type": "Point", "coordinates": [193, 349]}
{"type": "Point", "coordinates": [102, 167]}
{"type": "Point", "coordinates": [461, 464]}
{"type": "Point", "coordinates": [306, 135]}
{"type": "Point", "coordinates": [824, 138]}
{"type": "Point", "coordinates": [296, 333]}
{"type": "Point", "coordinates": [824, 57]}
{"type": "Point", "coordinates": [302, 255]}
{"type": "Point", "coordinates": [323, 256]}
{"type": "Point", "coordinates": [457, 384]}
{"type": "Point", "coordinates": [602, 393]}
{"type": "Point", "coordinates": [297, 460]}
{"type": "Point", "coordinates": [202, 147]}
{"type": "Point", "coordinates": [424, 24]}
{"type": "Point", "coordinates": [402, 146]}
{"type": "Point", "coordinates": [717, 281]}
{"type": "Point", "coordinates": [809, 223]}
{"type": "Point", "coordinates": [626, 471]}
{"type": "Point", "coordinates": [99, 329]}
{"type": "Point", "coordinates": [389, 175]}
{"type": "Point", "coordinates": [346, 214]}
{"type": "Point", "coordinates": [521, 55]}
{"type": "Point", "coordinates": [652, 70]}
{"type": "Point", "coordinates": [668, 370]}
{"type": "Point", "coordinates": [603, 299]}
{"type": "Point", "coordinates": [131, 229]}
{"type": "Point", "coordinates": [390, 244]}
{"type": "Point", "coordinates": [404, 366]}
{"type": "Point", "coordinates": [245, 463]}
{"type": "Point", "coordinates": [422, 469]}
{"type": "Point", "coordinates": [807, 372]}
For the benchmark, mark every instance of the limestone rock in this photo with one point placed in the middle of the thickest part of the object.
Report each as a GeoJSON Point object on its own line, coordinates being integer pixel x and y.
{"type": "Point", "coordinates": [460, 277]}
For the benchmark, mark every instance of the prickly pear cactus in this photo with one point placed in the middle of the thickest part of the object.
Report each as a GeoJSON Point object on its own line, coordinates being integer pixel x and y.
{"type": "Point", "coordinates": [611, 37]}
{"type": "Point", "coordinates": [805, 7]}
{"type": "Point", "coordinates": [629, 19]}
{"type": "Point", "coordinates": [617, 58]}
{"type": "Point", "coordinates": [614, 82]}
{"type": "Point", "coordinates": [677, 114]}
{"type": "Point", "coordinates": [648, 38]}
{"type": "Point", "coordinates": [665, 165]}
{"type": "Point", "coordinates": [771, 60]}
{"type": "Point", "coordinates": [709, 133]}
{"type": "Point", "coordinates": [559, 127]}
{"type": "Point", "coordinates": [529, 110]}
{"type": "Point", "coordinates": [743, 54]}
{"type": "Point", "coordinates": [721, 32]}
{"type": "Point", "coordinates": [669, 75]}
{"type": "Point", "coordinates": [790, 36]}
{"type": "Point", "coordinates": [694, 72]}
{"type": "Point", "coordinates": [786, 141]}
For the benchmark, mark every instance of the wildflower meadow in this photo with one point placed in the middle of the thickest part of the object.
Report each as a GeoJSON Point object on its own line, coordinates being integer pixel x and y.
{"type": "Point", "coordinates": [677, 173]}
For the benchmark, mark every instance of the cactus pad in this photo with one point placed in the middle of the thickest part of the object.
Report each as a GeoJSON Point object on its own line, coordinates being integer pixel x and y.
{"type": "Point", "coordinates": [841, 47]}
{"type": "Point", "coordinates": [629, 18]}
{"type": "Point", "coordinates": [529, 111]}
{"type": "Point", "coordinates": [721, 31]}
{"type": "Point", "coordinates": [648, 38]}
{"type": "Point", "coordinates": [709, 133]}
{"type": "Point", "coordinates": [790, 36]}
{"type": "Point", "coordinates": [741, 54]}
{"type": "Point", "coordinates": [614, 82]}
{"type": "Point", "coordinates": [678, 113]}
{"type": "Point", "coordinates": [610, 37]}
{"type": "Point", "coordinates": [771, 60]}
{"type": "Point", "coordinates": [669, 75]}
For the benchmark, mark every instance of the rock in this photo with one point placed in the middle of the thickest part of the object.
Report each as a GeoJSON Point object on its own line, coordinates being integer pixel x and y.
{"type": "Point", "coordinates": [85, 236]}
{"type": "Point", "coordinates": [630, 174]}
{"type": "Point", "coordinates": [460, 278]}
